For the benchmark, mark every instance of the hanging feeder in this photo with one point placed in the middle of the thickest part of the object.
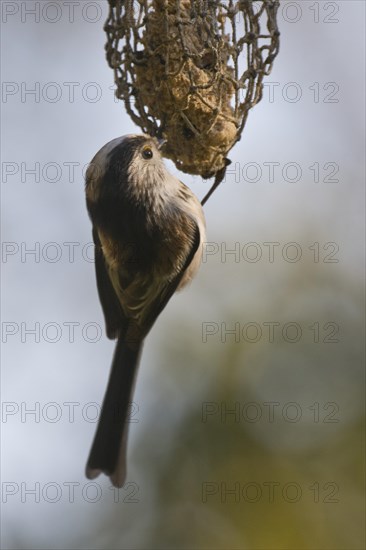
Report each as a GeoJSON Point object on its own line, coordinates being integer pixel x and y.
{"type": "Point", "coordinates": [190, 71]}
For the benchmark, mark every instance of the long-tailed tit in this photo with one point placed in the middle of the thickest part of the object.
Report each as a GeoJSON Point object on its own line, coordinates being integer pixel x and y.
{"type": "Point", "coordinates": [148, 230]}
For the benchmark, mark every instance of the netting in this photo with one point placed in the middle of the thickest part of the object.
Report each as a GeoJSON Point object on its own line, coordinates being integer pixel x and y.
{"type": "Point", "coordinates": [191, 70]}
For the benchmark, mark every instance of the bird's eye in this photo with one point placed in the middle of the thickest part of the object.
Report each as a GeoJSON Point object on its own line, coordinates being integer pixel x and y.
{"type": "Point", "coordinates": [147, 153]}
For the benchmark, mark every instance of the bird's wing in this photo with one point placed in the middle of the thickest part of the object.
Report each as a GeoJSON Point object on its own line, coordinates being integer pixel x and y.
{"type": "Point", "coordinates": [115, 319]}
{"type": "Point", "coordinates": [133, 308]}
{"type": "Point", "coordinates": [168, 290]}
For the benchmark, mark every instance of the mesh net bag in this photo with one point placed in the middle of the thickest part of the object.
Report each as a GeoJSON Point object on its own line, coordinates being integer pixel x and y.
{"type": "Point", "coordinates": [189, 71]}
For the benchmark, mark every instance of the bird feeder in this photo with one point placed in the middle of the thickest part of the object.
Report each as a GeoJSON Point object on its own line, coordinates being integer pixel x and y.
{"type": "Point", "coordinates": [190, 71]}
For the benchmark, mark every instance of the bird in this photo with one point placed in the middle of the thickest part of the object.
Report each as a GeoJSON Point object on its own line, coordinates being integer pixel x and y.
{"type": "Point", "coordinates": [148, 231]}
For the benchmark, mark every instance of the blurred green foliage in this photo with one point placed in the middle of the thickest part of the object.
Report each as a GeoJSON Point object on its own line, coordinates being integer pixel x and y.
{"type": "Point", "coordinates": [219, 471]}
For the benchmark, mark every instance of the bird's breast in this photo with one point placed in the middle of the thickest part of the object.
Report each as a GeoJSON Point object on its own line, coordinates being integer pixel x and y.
{"type": "Point", "coordinates": [156, 243]}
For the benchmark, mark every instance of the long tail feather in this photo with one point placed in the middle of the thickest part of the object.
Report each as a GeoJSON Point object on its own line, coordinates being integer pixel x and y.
{"type": "Point", "coordinates": [108, 452]}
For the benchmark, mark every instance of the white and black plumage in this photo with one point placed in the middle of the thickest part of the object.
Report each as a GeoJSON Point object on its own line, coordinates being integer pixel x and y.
{"type": "Point", "coordinates": [148, 230]}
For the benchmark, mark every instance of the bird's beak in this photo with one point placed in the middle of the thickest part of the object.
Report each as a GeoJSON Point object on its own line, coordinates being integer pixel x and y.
{"type": "Point", "coordinates": [161, 143]}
